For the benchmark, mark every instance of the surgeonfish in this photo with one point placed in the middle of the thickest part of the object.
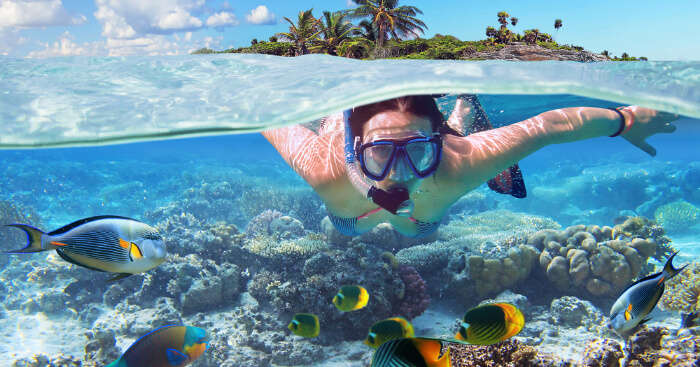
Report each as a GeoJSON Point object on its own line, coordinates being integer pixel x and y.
{"type": "Point", "coordinates": [167, 346]}
{"type": "Point", "coordinates": [104, 243]}
{"type": "Point", "coordinates": [411, 352]}
{"type": "Point", "coordinates": [305, 324]}
{"type": "Point", "coordinates": [351, 298]}
{"type": "Point", "coordinates": [388, 329]}
{"type": "Point", "coordinates": [490, 323]}
{"type": "Point", "coordinates": [640, 298]}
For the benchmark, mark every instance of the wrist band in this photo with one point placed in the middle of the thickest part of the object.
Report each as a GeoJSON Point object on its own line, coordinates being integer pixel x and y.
{"type": "Point", "coordinates": [623, 123]}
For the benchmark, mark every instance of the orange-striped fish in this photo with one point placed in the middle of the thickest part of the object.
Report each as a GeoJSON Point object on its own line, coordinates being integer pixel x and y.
{"type": "Point", "coordinates": [105, 243]}
{"type": "Point", "coordinates": [490, 324]}
{"type": "Point", "coordinates": [411, 352]}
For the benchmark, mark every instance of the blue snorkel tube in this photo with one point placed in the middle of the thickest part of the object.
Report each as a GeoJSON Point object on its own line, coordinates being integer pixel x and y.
{"type": "Point", "coordinates": [395, 201]}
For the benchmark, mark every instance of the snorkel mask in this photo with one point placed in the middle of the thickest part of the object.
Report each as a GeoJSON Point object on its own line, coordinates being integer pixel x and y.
{"type": "Point", "coordinates": [376, 159]}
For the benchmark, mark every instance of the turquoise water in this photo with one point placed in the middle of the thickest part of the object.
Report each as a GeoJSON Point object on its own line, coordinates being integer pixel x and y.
{"type": "Point", "coordinates": [210, 192]}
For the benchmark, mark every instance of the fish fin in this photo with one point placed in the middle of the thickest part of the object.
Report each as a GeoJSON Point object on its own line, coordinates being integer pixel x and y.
{"type": "Point", "coordinates": [443, 361]}
{"type": "Point", "coordinates": [428, 348]}
{"type": "Point", "coordinates": [175, 358]}
{"type": "Point", "coordinates": [66, 257]}
{"type": "Point", "coordinates": [510, 181]}
{"type": "Point", "coordinates": [628, 315]}
{"type": "Point", "coordinates": [33, 239]}
{"type": "Point", "coordinates": [80, 222]}
{"type": "Point", "coordinates": [646, 319]}
{"type": "Point", "coordinates": [135, 252]}
{"type": "Point", "coordinates": [119, 276]}
{"type": "Point", "coordinates": [669, 269]}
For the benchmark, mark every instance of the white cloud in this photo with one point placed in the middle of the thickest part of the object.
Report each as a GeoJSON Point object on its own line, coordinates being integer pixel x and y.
{"type": "Point", "coordinates": [127, 19]}
{"type": "Point", "coordinates": [9, 40]}
{"type": "Point", "coordinates": [350, 4]}
{"type": "Point", "coordinates": [35, 13]}
{"type": "Point", "coordinates": [66, 47]}
{"type": "Point", "coordinates": [222, 19]}
{"type": "Point", "coordinates": [260, 15]}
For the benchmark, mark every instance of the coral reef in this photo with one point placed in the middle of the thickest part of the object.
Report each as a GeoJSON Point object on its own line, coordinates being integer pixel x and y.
{"type": "Point", "coordinates": [586, 260]}
{"type": "Point", "coordinates": [42, 360]}
{"type": "Point", "coordinates": [682, 292]}
{"type": "Point", "coordinates": [509, 353]}
{"type": "Point", "coordinates": [602, 353]}
{"type": "Point", "coordinates": [415, 298]}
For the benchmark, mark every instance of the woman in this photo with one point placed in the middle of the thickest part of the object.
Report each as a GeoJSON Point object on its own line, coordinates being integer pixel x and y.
{"type": "Point", "coordinates": [397, 161]}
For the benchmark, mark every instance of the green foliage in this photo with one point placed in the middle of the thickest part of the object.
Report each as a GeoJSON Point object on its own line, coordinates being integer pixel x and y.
{"type": "Point", "coordinates": [267, 48]}
{"type": "Point", "coordinates": [203, 51]}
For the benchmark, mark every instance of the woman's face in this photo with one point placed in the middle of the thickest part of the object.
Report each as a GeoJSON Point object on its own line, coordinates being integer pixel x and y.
{"type": "Point", "coordinates": [397, 126]}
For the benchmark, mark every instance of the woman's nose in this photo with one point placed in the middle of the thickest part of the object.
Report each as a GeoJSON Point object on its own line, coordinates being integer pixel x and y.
{"type": "Point", "coordinates": [400, 171]}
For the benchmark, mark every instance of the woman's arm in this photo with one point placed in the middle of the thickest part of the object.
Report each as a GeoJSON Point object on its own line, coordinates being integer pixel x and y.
{"type": "Point", "coordinates": [318, 159]}
{"type": "Point", "coordinates": [476, 158]}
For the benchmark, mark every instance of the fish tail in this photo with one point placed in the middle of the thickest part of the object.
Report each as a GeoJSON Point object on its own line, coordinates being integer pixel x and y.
{"type": "Point", "coordinates": [34, 236]}
{"type": "Point", "coordinates": [444, 360]}
{"type": "Point", "coordinates": [669, 271]}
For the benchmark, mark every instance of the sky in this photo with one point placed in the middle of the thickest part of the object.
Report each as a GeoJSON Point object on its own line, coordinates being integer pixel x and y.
{"type": "Point", "coordinates": [46, 28]}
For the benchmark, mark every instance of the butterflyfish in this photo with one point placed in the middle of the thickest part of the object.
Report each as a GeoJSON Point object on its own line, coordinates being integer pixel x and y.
{"type": "Point", "coordinates": [305, 324]}
{"type": "Point", "coordinates": [490, 324]}
{"type": "Point", "coordinates": [351, 298]}
{"type": "Point", "coordinates": [411, 352]}
{"type": "Point", "coordinates": [385, 330]}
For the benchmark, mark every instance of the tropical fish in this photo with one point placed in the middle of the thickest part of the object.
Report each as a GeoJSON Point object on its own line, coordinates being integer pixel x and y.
{"type": "Point", "coordinates": [167, 346]}
{"type": "Point", "coordinates": [490, 324]}
{"type": "Point", "coordinates": [640, 298]}
{"type": "Point", "coordinates": [351, 298]}
{"type": "Point", "coordinates": [385, 330]}
{"type": "Point", "coordinates": [105, 243]}
{"type": "Point", "coordinates": [410, 352]}
{"type": "Point", "coordinates": [305, 324]}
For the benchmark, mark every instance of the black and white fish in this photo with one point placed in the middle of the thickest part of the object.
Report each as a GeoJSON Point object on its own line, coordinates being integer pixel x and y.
{"type": "Point", "coordinates": [106, 243]}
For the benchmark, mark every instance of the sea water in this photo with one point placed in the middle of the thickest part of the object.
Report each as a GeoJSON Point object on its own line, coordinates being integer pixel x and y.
{"type": "Point", "coordinates": [172, 141]}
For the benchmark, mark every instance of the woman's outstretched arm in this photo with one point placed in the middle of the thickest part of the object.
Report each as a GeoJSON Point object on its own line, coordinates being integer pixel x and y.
{"type": "Point", "coordinates": [474, 159]}
{"type": "Point", "coordinates": [318, 159]}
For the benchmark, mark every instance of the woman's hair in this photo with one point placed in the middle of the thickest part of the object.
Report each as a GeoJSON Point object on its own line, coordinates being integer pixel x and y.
{"type": "Point", "coordinates": [419, 105]}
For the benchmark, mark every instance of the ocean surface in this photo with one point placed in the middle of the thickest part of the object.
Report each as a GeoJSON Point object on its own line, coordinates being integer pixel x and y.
{"type": "Point", "coordinates": [174, 142]}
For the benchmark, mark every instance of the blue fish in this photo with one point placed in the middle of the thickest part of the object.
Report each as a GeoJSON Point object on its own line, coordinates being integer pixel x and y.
{"type": "Point", "coordinates": [640, 298]}
{"type": "Point", "coordinates": [106, 243]}
{"type": "Point", "coordinates": [168, 346]}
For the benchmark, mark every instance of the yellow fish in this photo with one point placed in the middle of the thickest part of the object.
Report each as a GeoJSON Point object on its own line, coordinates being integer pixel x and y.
{"type": "Point", "coordinates": [305, 324]}
{"type": "Point", "coordinates": [389, 329]}
{"type": "Point", "coordinates": [411, 352]}
{"type": "Point", "coordinates": [351, 298]}
{"type": "Point", "coordinates": [490, 324]}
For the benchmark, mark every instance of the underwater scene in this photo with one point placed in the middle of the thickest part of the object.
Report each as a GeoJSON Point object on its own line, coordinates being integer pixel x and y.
{"type": "Point", "coordinates": [478, 218]}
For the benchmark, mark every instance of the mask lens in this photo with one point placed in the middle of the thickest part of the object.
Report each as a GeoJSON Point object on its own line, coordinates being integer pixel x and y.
{"type": "Point", "coordinates": [422, 154]}
{"type": "Point", "coordinates": [377, 157]}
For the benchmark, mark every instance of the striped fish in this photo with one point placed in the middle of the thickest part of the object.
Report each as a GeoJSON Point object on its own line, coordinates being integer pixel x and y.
{"type": "Point", "coordinates": [490, 324]}
{"type": "Point", "coordinates": [167, 346]}
{"type": "Point", "coordinates": [411, 352]}
{"type": "Point", "coordinates": [104, 243]}
{"type": "Point", "coordinates": [640, 298]}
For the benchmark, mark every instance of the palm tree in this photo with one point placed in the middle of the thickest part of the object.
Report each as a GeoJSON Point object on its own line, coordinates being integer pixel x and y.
{"type": "Point", "coordinates": [514, 21]}
{"type": "Point", "coordinates": [335, 31]}
{"type": "Point", "coordinates": [366, 30]}
{"type": "Point", "coordinates": [503, 19]}
{"type": "Point", "coordinates": [605, 53]}
{"type": "Point", "coordinates": [389, 18]}
{"type": "Point", "coordinates": [306, 29]}
{"type": "Point", "coordinates": [557, 24]}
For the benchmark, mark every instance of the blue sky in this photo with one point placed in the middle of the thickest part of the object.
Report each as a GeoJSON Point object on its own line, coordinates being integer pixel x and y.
{"type": "Point", "coordinates": [44, 28]}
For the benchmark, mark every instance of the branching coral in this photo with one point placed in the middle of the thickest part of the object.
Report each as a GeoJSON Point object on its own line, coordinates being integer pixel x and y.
{"type": "Point", "coordinates": [683, 291]}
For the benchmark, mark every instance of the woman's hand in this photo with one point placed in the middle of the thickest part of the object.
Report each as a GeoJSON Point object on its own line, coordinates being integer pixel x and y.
{"type": "Point", "coordinates": [647, 122]}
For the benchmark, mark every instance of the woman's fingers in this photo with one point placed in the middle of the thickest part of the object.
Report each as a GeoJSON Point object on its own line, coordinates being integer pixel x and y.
{"type": "Point", "coordinates": [643, 145]}
{"type": "Point", "coordinates": [668, 128]}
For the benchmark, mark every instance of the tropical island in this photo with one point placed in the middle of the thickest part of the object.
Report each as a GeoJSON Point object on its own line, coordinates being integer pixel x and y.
{"type": "Point", "coordinates": [387, 30]}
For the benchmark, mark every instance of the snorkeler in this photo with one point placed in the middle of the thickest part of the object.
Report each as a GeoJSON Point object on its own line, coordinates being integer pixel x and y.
{"type": "Point", "coordinates": [398, 161]}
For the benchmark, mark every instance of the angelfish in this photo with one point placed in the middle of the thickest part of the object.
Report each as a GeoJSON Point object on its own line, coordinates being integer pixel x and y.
{"type": "Point", "coordinates": [167, 346]}
{"type": "Point", "coordinates": [112, 244]}
{"type": "Point", "coordinates": [640, 298]}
